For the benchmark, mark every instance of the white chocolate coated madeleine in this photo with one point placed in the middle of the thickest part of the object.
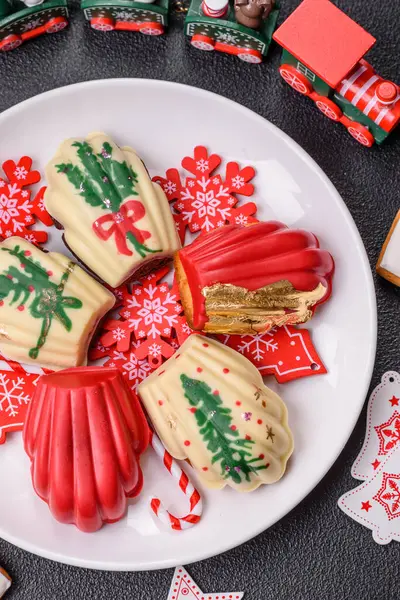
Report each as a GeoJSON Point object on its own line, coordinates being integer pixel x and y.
{"type": "Point", "coordinates": [209, 404]}
{"type": "Point", "coordinates": [49, 306]}
{"type": "Point", "coordinates": [116, 220]}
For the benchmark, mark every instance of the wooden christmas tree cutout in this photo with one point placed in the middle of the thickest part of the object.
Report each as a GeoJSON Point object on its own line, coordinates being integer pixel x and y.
{"type": "Point", "coordinates": [184, 588]}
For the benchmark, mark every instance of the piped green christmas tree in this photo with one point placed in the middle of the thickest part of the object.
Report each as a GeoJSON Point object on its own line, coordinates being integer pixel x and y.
{"type": "Point", "coordinates": [104, 182]}
{"type": "Point", "coordinates": [48, 301]}
{"type": "Point", "coordinates": [215, 422]}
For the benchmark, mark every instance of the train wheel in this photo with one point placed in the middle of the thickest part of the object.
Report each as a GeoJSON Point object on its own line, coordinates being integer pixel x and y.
{"type": "Point", "coordinates": [102, 24]}
{"type": "Point", "coordinates": [202, 42]}
{"type": "Point", "coordinates": [250, 56]}
{"type": "Point", "coordinates": [328, 108]}
{"type": "Point", "coordinates": [56, 24]}
{"type": "Point", "coordinates": [152, 29]}
{"type": "Point", "coordinates": [295, 79]}
{"type": "Point", "coordinates": [10, 43]}
{"type": "Point", "coordinates": [361, 134]}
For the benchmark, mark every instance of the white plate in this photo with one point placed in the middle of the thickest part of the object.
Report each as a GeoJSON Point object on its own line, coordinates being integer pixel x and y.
{"type": "Point", "coordinates": [164, 122]}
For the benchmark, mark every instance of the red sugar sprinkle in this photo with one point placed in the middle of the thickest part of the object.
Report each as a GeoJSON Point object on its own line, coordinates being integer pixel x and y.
{"type": "Point", "coordinates": [199, 369]}
{"type": "Point", "coordinates": [238, 403]}
{"type": "Point", "coordinates": [225, 371]}
{"type": "Point", "coordinates": [9, 276]}
{"type": "Point", "coordinates": [248, 437]}
{"type": "Point", "coordinates": [31, 288]}
{"type": "Point", "coordinates": [1, 302]}
{"type": "Point", "coordinates": [259, 421]}
{"type": "Point", "coordinates": [233, 427]}
{"type": "Point", "coordinates": [187, 443]}
{"type": "Point", "coordinates": [205, 345]}
{"type": "Point", "coordinates": [205, 468]}
{"type": "Point", "coordinates": [27, 252]}
{"type": "Point", "coordinates": [193, 410]}
{"type": "Point", "coordinates": [160, 402]}
{"type": "Point", "coordinates": [261, 456]}
{"type": "Point", "coordinates": [49, 273]}
{"type": "Point", "coordinates": [216, 393]}
{"type": "Point", "coordinates": [21, 308]}
{"type": "Point", "coordinates": [22, 266]}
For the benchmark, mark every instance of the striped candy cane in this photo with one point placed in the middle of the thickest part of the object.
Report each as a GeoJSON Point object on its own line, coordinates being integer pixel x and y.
{"type": "Point", "coordinates": [196, 503]}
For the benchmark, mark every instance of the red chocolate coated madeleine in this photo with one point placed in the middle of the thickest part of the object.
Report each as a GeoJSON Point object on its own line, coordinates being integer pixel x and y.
{"type": "Point", "coordinates": [250, 279]}
{"type": "Point", "coordinates": [84, 433]}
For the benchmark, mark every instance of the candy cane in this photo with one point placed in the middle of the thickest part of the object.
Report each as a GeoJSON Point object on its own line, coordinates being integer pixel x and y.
{"type": "Point", "coordinates": [196, 503]}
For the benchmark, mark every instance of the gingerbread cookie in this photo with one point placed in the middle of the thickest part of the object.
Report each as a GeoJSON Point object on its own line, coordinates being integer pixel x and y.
{"type": "Point", "coordinates": [49, 307]}
{"type": "Point", "coordinates": [250, 279]}
{"type": "Point", "coordinates": [5, 582]}
{"type": "Point", "coordinates": [209, 404]}
{"type": "Point", "coordinates": [116, 220]}
{"type": "Point", "coordinates": [388, 265]}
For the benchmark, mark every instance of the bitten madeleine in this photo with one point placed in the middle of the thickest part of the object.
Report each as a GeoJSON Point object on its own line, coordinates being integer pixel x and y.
{"type": "Point", "coordinates": [116, 220]}
{"type": "Point", "coordinates": [49, 307]}
{"type": "Point", "coordinates": [208, 404]}
{"type": "Point", "coordinates": [250, 279]}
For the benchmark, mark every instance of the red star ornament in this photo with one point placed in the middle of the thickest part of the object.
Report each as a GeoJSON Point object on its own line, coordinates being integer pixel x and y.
{"type": "Point", "coordinates": [366, 506]}
{"type": "Point", "coordinates": [285, 352]}
{"type": "Point", "coordinates": [208, 200]}
{"type": "Point", "coordinates": [17, 211]}
{"type": "Point", "coordinates": [16, 389]}
{"type": "Point", "coordinates": [394, 401]}
{"type": "Point", "coordinates": [184, 588]}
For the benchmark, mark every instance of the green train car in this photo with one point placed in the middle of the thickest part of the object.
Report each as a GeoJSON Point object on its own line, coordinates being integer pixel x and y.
{"type": "Point", "coordinates": [22, 21]}
{"type": "Point", "coordinates": [225, 34]}
{"type": "Point", "coordinates": [123, 15]}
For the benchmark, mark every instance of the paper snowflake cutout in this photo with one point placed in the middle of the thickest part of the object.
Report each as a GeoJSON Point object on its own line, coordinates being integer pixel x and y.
{"type": "Point", "coordinates": [150, 315]}
{"type": "Point", "coordinates": [16, 389]}
{"type": "Point", "coordinates": [285, 352]}
{"type": "Point", "coordinates": [388, 434]}
{"type": "Point", "coordinates": [208, 200]}
{"type": "Point", "coordinates": [389, 495]}
{"type": "Point", "coordinates": [17, 211]}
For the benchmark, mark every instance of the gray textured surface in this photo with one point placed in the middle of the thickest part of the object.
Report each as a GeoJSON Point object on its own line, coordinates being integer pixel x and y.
{"type": "Point", "coordinates": [316, 552]}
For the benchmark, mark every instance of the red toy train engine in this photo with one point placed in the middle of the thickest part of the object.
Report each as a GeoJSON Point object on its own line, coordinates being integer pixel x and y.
{"type": "Point", "coordinates": [322, 58]}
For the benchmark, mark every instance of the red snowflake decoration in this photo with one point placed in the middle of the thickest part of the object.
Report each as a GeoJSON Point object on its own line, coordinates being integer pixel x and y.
{"type": "Point", "coordinates": [17, 211]}
{"type": "Point", "coordinates": [151, 315]}
{"type": "Point", "coordinates": [388, 433]}
{"type": "Point", "coordinates": [16, 389]}
{"type": "Point", "coordinates": [388, 495]}
{"type": "Point", "coordinates": [285, 352]}
{"type": "Point", "coordinates": [208, 200]}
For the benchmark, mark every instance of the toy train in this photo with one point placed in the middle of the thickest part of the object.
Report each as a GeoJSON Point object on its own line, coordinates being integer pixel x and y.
{"type": "Point", "coordinates": [22, 20]}
{"type": "Point", "coordinates": [240, 27]}
{"type": "Point", "coordinates": [322, 58]}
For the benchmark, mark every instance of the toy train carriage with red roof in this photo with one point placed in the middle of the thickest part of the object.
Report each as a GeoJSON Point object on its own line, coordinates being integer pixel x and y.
{"type": "Point", "coordinates": [322, 58]}
{"type": "Point", "coordinates": [149, 18]}
{"type": "Point", "coordinates": [22, 21]}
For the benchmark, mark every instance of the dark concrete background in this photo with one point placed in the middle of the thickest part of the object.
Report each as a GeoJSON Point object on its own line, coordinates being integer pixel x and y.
{"type": "Point", "coordinates": [316, 552]}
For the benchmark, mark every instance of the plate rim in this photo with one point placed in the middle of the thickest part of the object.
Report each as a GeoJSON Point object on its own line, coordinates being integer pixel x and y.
{"type": "Point", "coordinates": [371, 296]}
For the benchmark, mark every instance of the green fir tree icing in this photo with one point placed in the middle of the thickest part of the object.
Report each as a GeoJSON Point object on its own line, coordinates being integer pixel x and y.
{"type": "Point", "coordinates": [103, 182]}
{"type": "Point", "coordinates": [48, 301]}
{"type": "Point", "coordinates": [215, 421]}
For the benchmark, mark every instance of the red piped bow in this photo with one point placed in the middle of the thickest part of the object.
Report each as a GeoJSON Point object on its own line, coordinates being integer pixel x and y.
{"type": "Point", "coordinates": [120, 224]}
